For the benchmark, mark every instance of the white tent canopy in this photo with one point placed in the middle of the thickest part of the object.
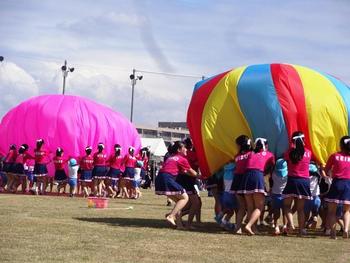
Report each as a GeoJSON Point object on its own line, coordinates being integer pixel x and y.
{"type": "Point", "coordinates": [156, 146]}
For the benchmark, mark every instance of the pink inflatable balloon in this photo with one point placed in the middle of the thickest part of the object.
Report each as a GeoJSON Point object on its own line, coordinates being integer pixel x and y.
{"type": "Point", "coordinates": [69, 122]}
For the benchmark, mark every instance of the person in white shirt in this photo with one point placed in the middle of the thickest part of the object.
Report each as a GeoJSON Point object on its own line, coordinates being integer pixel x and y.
{"type": "Point", "coordinates": [73, 168]}
{"type": "Point", "coordinates": [313, 206]}
{"type": "Point", "coordinates": [279, 179]}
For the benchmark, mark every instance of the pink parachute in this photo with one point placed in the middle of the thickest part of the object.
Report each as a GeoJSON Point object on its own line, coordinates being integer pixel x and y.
{"type": "Point", "coordinates": [69, 122]}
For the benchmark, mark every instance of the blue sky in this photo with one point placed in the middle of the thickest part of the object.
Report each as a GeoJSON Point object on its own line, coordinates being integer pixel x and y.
{"type": "Point", "coordinates": [104, 40]}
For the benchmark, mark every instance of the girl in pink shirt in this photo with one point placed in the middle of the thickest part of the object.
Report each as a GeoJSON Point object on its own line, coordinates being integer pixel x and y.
{"type": "Point", "coordinates": [243, 142]}
{"type": "Point", "coordinates": [40, 170]}
{"type": "Point", "coordinates": [100, 168]}
{"type": "Point", "coordinates": [60, 174]}
{"type": "Point", "coordinates": [21, 160]}
{"type": "Point", "coordinates": [115, 162]}
{"type": "Point", "coordinates": [298, 183]}
{"type": "Point", "coordinates": [9, 166]}
{"type": "Point", "coordinates": [129, 174]}
{"type": "Point", "coordinates": [339, 192]}
{"type": "Point", "coordinates": [165, 183]}
{"type": "Point", "coordinates": [253, 185]}
{"type": "Point", "coordinates": [86, 167]}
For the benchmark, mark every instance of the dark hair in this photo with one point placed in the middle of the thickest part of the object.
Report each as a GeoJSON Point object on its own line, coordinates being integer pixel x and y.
{"type": "Point", "coordinates": [188, 143]}
{"type": "Point", "coordinates": [59, 151]}
{"type": "Point", "coordinates": [21, 149]}
{"type": "Point", "coordinates": [39, 143]}
{"type": "Point", "coordinates": [345, 146]}
{"type": "Point", "coordinates": [25, 146]}
{"type": "Point", "coordinates": [244, 144]}
{"type": "Point", "coordinates": [88, 150]}
{"type": "Point", "coordinates": [131, 150]}
{"type": "Point", "coordinates": [297, 153]}
{"type": "Point", "coordinates": [13, 147]}
{"type": "Point", "coordinates": [176, 146]}
{"type": "Point", "coordinates": [145, 152]}
{"type": "Point", "coordinates": [100, 147]}
{"type": "Point", "coordinates": [260, 144]}
{"type": "Point", "coordinates": [117, 149]}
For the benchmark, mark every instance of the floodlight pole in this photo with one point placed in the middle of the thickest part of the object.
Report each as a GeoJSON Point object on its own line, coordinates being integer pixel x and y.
{"type": "Point", "coordinates": [133, 82]}
{"type": "Point", "coordinates": [65, 74]}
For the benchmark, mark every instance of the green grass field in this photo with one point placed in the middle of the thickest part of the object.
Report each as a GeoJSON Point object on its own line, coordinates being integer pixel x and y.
{"type": "Point", "coordinates": [62, 229]}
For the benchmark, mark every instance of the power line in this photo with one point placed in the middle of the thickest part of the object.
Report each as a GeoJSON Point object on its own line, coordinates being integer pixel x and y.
{"type": "Point", "coordinates": [169, 74]}
{"type": "Point", "coordinates": [113, 68]}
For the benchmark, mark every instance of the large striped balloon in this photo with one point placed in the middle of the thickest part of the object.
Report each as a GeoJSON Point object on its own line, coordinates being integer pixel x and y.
{"type": "Point", "coordinates": [271, 101]}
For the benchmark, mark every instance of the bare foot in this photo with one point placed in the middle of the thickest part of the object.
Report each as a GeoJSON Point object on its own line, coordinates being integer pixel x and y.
{"type": "Point", "coordinates": [171, 220]}
{"type": "Point", "coordinates": [346, 234]}
{"type": "Point", "coordinates": [249, 230]}
{"type": "Point", "coordinates": [277, 231]}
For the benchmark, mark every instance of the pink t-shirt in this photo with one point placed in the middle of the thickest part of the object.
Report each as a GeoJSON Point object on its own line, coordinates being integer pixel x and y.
{"type": "Point", "coordinates": [175, 165]}
{"type": "Point", "coordinates": [241, 162]}
{"type": "Point", "coordinates": [87, 163]}
{"type": "Point", "coordinates": [192, 159]}
{"type": "Point", "coordinates": [260, 160]}
{"type": "Point", "coordinates": [100, 158]}
{"type": "Point", "coordinates": [115, 161]}
{"type": "Point", "coordinates": [130, 161]}
{"type": "Point", "coordinates": [59, 162]}
{"type": "Point", "coordinates": [11, 156]}
{"type": "Point", "coordinates": [340, 165]}
{"type": "Point", "coordinates": [301, 168]}
{"type": "Point", "coordinates": [23, 158]}
{"type": "Point", "coordinates": [41, 156]}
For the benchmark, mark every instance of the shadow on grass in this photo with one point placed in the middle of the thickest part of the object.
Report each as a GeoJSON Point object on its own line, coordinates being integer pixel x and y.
{"type": "Point", "coordinates": [207, 227]}
{"type": "Point", "coordinates": [149, 222]}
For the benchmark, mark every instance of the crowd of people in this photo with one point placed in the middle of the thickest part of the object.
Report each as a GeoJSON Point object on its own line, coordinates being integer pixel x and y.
{"type": "Point", "coordinates": [254, 180]}
{"type": "Point", "coordinates": [94, 174]}
{"type": "Point", "coordinates": [252, 183]}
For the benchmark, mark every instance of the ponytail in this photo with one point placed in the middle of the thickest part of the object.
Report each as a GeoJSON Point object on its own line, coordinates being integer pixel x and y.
{"type": "Point", "coordinates": [297, 152]}
{"type": "Point", "coordinates": [345, 144]}
{"type": "Point", "coordinates": [260, 144]}
{"type": "Point", "coordinates": [244, 143]}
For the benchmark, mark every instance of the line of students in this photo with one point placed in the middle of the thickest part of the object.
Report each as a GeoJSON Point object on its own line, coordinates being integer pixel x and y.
{"type": "Point", "coordinates": [295, 185]}
{"type": "Point", "coordinates": [97, 171]}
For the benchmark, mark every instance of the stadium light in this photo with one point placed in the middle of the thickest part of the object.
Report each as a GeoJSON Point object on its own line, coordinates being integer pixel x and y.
{"type": "Point", "coordinates": [65, 71]}
{"type": "Point", "coordinates": [133, 79]}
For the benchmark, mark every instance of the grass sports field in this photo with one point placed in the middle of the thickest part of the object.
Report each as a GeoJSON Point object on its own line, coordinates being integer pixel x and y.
{"type": "Point", "coordinates": [62, 229]}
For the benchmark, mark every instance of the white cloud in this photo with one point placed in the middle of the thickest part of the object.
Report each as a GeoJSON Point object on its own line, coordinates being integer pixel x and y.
{"type": "Point", "coordinates": [16, 85]}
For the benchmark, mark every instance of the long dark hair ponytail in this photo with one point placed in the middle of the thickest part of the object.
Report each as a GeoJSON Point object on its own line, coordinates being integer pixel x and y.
{"type": "Point", "coordinates": [244, 143]}
{"type": "Point", "coordinates": [297, 152]}
{"type": "Point", "coordinates": [345, 144]}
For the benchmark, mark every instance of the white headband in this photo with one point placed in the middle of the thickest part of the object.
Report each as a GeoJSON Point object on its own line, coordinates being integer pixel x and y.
{"type": "Point", "coordinates": [346, 141]}
{"type": "Point", "coordinates": [263, 141]}
{"type": "Point", "coordinates": [40, 140]}
{"type": "Point", "coordinates": [101, 144]}
{"type": "Point", "coordinates": [298, 137]}
{"type": "Point", "coordinates": [249, 141]}
{"type": "Point", "coordinates": [22, 147]}
{"type": "Point", "coordinates": [88, 148]}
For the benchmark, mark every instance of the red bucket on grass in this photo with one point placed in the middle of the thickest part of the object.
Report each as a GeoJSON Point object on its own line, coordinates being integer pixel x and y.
{"type": "Point", "coordinates": [97, 202]}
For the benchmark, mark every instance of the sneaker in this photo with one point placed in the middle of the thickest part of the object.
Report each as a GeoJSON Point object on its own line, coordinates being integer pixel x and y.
{"type": "Point", "coordinates": [218, 218]}
{"type": "Point", "coordinates": [229, 226]}
{"type": "Point", "coordinates": [327, 232]}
